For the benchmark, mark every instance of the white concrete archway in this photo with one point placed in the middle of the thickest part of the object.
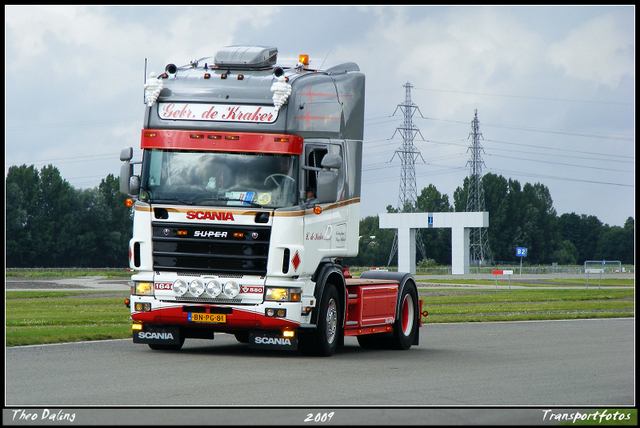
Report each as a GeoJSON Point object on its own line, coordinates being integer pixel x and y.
{"type": "Point", "coordinates": [458, 222]}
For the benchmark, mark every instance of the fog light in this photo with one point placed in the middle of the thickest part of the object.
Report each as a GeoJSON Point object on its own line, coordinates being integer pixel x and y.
{"type": "Point", "coordinates": [136, 326]}
{"type": "Point", "coordinates": [196, 287]}
{"type": "Point", "coordinates": [142, 307]}
{"type": "Point", "coordinates": [179, 287]}
{"type": "Point", "coordinates": [231, 289]}
{"type": "Point", "coordinates": [288, 333]}
{"type": "Point", "coordinates": [214, 288]}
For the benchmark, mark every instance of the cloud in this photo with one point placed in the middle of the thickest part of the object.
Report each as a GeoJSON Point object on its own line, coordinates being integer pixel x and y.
{"type": "Point", "coordinates": [471, 50]}
{"type": "Point", "coordinates": [600, 50]}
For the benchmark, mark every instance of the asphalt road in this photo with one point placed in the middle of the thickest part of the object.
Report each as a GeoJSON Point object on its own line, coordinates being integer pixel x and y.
{"type": "Point", "coordinates": [450, 378]}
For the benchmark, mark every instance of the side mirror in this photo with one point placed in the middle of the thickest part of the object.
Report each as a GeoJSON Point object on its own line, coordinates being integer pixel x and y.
{"type": "Point", "coordinates": [126, 173]}
{"type": "Point", "coordinates": [331, 160]}
{"type": "Point", "coordinates": [129, 183]}
{"type": "Point", "coordinates": [134, 185]}
{"type": "Point", "coordinates": [327, 190]}
{"type": "Point", "coordinates": [126, 154]}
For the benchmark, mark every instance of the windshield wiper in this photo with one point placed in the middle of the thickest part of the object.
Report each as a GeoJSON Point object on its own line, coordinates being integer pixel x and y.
{"type": "Point", "coordinates": [224, 199]}
{"type": "Point", "coordinates": [182, 201]}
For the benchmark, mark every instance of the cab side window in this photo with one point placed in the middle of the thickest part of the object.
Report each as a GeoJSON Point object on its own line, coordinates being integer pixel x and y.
{"type": "Point", "coordinates": [314, 159]}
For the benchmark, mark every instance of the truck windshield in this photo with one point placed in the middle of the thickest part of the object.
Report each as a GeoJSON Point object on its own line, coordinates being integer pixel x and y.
{"type": "Point", "coordinates": [218, 178]}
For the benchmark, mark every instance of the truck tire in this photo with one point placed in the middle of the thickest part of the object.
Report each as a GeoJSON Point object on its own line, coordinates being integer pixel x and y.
{"type": "Point", "coordinates": [176, 347]}
{"type": "Point", "coordinates": [407, 323]}
{"type": "Point", "coordinates": [324, 339]}
{"type": "Point", "coordinates": [373, 341]}
{"type": "Point", "coordinates": [242, 336]}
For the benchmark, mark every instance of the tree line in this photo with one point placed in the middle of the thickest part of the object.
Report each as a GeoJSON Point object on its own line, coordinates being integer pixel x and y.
{"type": "Point", "coordinates": [49, 223]}
{"type": "Point", "coordinates": [519, 216]}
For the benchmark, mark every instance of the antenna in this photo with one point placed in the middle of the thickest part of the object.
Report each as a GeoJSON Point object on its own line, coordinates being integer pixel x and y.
{"type": "Point", "coordinates": [144, 100]}
{"type": "Point", "coordinates": [325, 58]}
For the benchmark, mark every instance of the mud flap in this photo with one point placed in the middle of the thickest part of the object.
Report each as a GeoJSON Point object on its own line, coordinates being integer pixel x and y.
{"type": "Point", "coordinates": [157, 335]}
{"type": "Point", "coordinates": [272, 340]}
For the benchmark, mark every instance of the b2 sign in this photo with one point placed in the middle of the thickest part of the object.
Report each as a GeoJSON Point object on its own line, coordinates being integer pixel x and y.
{"type": "Point", "coordinates": [521, 251]}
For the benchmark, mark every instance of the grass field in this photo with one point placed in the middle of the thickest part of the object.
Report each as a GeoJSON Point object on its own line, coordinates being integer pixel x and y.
{"type": "Point", "coordinates": [36, 317]}
{"type": "Point", "coordinates": [620, 282]}
{"type": "Point", "coordinates": [456, 305]}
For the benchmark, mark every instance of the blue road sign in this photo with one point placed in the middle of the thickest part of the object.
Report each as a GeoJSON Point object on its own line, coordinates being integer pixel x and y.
{"type": "Point", "coordinates": [521, 251]}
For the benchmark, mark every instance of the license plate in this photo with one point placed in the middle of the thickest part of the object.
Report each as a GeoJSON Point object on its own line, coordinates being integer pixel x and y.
{"type": "Point", "coordinates": [214, 318]}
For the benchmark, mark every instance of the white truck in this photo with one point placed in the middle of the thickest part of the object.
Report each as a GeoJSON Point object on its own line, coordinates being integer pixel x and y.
{"type": "Point", "coordinates": [246, 200]}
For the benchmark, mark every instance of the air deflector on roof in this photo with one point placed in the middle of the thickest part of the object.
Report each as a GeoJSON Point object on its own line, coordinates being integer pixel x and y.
{"type": "Point", "coordinates": [246, 57]}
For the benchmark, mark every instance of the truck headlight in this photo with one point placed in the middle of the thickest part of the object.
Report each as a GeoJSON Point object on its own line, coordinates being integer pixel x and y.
{"type": "Point", "coordinates": [283, 294]}
{"type": "Point", "coordinates": [143, 289]}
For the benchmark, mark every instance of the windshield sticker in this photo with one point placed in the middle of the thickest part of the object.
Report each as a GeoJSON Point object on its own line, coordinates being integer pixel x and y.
{"type": "Point", "coordinates": [238, 198]}
{"type": "Point", "coordinates": [264, 198]}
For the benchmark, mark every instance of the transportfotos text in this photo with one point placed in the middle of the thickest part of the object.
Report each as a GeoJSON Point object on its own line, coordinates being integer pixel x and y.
{"type": "Point", "coordinates": [597, 416]}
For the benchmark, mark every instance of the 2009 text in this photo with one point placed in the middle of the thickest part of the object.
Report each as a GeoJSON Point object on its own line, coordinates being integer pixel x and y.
{"type": "Point", "coordinates": [319, 417]}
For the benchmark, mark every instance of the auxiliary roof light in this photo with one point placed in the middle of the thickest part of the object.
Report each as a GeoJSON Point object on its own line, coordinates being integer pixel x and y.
{"type": "Point", "coordinates": [214, 288]}
{"type": "Point", "coordinates": [196, 287]}
{"type": "Point", "coordinates": [179, 287]}
{"type": "Point", "coordinates": [231, 289]}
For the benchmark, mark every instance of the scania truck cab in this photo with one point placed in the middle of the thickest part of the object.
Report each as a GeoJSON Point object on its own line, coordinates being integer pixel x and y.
{"type": "Point", "coordinates": [245, 201]}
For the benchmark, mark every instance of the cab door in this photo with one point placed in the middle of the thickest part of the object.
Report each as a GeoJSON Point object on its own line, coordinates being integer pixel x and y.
{"type": "Point", "coordinates": [320, 229]}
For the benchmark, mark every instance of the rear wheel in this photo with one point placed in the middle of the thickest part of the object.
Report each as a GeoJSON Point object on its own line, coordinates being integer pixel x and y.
{"type": "Point", "coordinates": [407, 323]}
{"type": "Point", "coordinates": [324, 339]}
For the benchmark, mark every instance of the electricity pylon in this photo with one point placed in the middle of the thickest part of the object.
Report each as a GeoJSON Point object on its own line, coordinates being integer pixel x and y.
{"type": "Point", "coordinates": [479, 250]}
{"type": "Point", "coordinates": [408, 154]}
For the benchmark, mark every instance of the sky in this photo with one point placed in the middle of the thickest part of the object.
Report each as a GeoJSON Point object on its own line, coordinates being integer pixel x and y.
{"type": "Point", "coordinates": [553, 87]}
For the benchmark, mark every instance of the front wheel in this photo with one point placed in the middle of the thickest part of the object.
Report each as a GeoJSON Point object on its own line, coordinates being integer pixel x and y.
{"type": "Point", "coordinates": [324, 339]}
{"type": "Point", "coordinates": [175, 347]}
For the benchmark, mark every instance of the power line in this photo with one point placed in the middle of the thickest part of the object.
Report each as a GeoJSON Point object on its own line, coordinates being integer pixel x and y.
{"type": "Point", "coordinates": [528, 97]}
{"type": "Point", "coordinates": [559, 163]}
{"type": "Point", "coordinates": [545, 130]}
{"type": "Point", "coordinates": [69, 124]}
{"type": "Point", "coordinates": [90, 158]}
{"type": "Point", "coordinates": [560, 178]}
{"type": "Point", "coordinates": [599, 155]}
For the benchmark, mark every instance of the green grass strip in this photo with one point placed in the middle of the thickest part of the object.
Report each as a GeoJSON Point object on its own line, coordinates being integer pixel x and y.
{"type": "Point", "coordinates": [39, 294]}
{"type": "Point", "coordinates": [32, 335]}
{"type": "Point", "coordinates": [530, 307]}
{"type": "Point", "coordinates": [525, 317]}
{"type": "Point", "coordinates": [620, 282]}
{"type": "Point", "coordinates": [490, 296]}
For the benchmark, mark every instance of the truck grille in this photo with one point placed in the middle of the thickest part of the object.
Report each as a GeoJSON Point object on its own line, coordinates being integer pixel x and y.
{"type": "Point", "coordinates": [219, 249]}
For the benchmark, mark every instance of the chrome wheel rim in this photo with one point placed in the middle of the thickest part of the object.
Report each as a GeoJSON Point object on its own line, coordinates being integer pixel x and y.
{"type": "Point", "coordinates": [332, 321]}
